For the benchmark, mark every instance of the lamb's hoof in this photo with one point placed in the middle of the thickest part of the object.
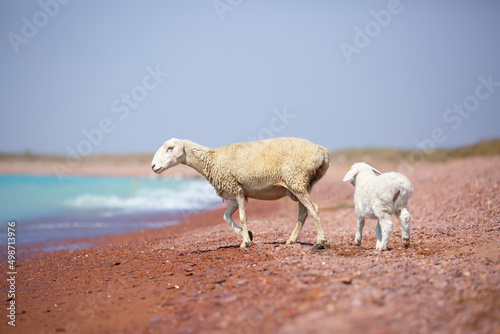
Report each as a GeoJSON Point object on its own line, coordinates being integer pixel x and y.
{"type": "Point", "coordinates": [382, 248]}
{"type": "Point", "coordinates": [251, 235]}
{"type": "Point", "coordinates": [290, 242]}
{"type": "Point", "coordinates": [406, 243]}
{"type": "Point", "coordinates": [320, 247]}
{"type": "Point", "coordinates": [357, 242]}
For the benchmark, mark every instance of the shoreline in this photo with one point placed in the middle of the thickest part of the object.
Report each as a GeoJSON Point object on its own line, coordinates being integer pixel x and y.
{"type": "Point", "coordinates": [178, 226]}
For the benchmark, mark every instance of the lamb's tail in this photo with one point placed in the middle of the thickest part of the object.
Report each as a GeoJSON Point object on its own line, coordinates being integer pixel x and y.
{"type": "Point", "coordinates": [403, 192]}
{"type": "Point", "coordinates": [322, 166]}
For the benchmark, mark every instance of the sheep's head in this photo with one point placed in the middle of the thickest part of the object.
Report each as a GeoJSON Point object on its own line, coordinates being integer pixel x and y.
{"type": "Point", "coordinates": [357, 168]}
{"type": "Point", "coordinates": [170, 154]}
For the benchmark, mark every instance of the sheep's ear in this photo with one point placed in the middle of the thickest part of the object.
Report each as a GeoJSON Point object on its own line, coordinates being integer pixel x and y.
{"type": "Point", "coordinates": [350, 175]}
{"type": "Point", "coordinates": [376, 172]}
{"type": "Point", "coordinates": [178, 150]}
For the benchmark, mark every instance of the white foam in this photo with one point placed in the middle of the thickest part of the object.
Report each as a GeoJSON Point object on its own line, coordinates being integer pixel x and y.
{"type": "Point", "coordinates": [192, 196]}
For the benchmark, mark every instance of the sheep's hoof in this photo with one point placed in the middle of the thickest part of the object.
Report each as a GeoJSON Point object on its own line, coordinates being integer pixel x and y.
{"type": "Point", "coordinates": [357, 242]}
{"type": "Point", "coordinates": [320, 247]}
{"type": "Point", "coordinates": [290, 242]}
{"type": "Point", "coordinates": [245, 244]}
{"type": "Point", "coordinates": [321, 241]}
{"type": "Point", "coordinates": [251, 235]}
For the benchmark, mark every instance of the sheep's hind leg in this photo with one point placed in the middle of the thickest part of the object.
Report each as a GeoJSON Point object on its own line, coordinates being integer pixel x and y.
{"type": "Point", "coordinates": [404, 217]}
{"type": "Point", "coordinates": [300, 223]}
{"type": "Point", "coordinates": [228, 218]}
{"type": "Point", "coordinates": [359, 232]}
{"type": "Point", "coordinates": [313, 209]}
{"type": "Point", "coordinates": [243, 219]}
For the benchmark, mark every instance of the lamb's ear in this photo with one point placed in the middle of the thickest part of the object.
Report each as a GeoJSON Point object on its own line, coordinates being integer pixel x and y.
{"type": "Point", "coordinates": [178, 150]}
{"type": "Point", "coordinates": [376, 172]}
{"type": "Point", "coordinates": [350, 175]}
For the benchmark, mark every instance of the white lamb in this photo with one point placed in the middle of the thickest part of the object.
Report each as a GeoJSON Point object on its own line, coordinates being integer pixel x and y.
{"type": "Point", "coordinates": [378, 196]}
{"type": "Point", "coordinates": [267, 170]}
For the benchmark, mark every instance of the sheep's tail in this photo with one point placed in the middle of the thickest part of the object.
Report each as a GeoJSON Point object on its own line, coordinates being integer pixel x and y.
{"type": "Point", "coordinates": [322, 166]}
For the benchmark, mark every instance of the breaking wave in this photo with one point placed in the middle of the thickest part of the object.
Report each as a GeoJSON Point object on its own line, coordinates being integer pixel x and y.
{"type": "Point", "coordinates": [192, 196]}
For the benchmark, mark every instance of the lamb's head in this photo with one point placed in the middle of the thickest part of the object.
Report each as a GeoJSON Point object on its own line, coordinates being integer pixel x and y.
{"type": "Point", "coordinates": [170, 154]}
{"type": "Point", "coordinates": [359, 167]}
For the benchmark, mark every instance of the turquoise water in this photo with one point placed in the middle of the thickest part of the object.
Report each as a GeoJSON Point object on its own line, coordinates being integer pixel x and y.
{"type": "Point", "coordinates": [48, 209]}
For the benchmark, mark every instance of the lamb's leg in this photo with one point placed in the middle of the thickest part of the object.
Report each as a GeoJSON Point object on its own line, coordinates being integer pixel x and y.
{"type": "Point", "coordinates": [243, 220]}
{"type": "Point", "coordinates": [405, 217]}
{"type": "Point", "coordinates": [313, 209]}
{"type": "Point", "coordinates": [378, 232]}
{"type": "Point", "coordinates": [385, 228]}
{"type": "Point", "coordinates": [359, 232]}
{"type": "Point", "coordinates": [228, 218]}
{"type": "Point", "coordinates": [300, 223]}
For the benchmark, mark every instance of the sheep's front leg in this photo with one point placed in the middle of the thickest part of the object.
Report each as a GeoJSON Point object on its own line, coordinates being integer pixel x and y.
{"type": "Point", "coordinates": [228, 218]}
{"type": "Point", "coordinates": [243, 219]}
{"type": "Point", "coordinates": [300, 223]}
{"type": "Point", "coordinates": [383, 230]}
{"type": "Point", "coordinates": [404, 217]}
{"type": "Point", "coordinates": [359, 232]}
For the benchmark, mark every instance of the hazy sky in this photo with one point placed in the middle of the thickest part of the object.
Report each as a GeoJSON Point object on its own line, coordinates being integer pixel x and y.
{"type": "Point", "coordinates": [124, 76]}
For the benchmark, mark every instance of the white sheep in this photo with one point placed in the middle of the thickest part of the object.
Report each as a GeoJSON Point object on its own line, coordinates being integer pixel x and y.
{"type": "Point", "coordinates": [267, 170]}
{"type": "Point", "coordinates": [378, 196]}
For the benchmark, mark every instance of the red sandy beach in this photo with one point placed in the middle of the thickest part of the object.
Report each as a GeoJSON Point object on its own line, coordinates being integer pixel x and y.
{"type": "Point", "coordinates": [194, 278]}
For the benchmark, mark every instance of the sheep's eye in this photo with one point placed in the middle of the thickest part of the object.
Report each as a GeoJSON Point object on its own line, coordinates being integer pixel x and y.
{"type": "Point", "coordinates": [170, 148]}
